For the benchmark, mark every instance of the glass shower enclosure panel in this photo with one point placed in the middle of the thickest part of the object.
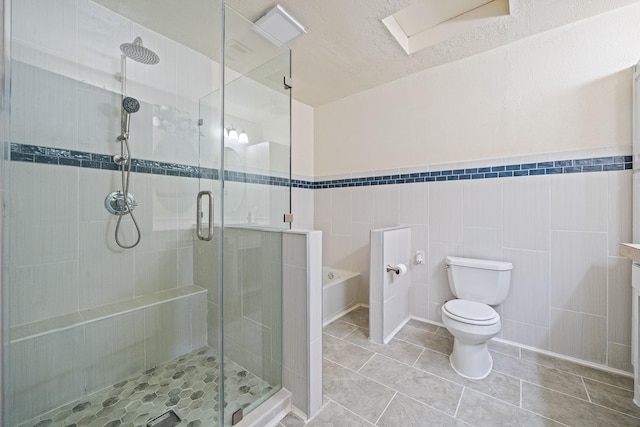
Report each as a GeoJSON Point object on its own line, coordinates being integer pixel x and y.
{"type": "Point", "coordinates": [122, 297]}
{"type": "Point", "coordinates": [255, 177]}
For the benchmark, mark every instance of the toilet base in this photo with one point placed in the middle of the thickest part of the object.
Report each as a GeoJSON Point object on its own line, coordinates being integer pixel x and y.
{"type": "Point", "coordinates": [471, 361]}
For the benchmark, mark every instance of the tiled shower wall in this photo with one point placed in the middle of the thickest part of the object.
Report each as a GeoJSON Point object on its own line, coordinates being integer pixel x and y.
{"type": "Point", "coordinates": [570, 290]}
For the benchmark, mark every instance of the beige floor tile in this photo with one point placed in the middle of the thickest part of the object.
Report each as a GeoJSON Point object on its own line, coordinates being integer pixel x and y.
{"type": "Point", "coordinates": [358, 394]}
{"type": "Point", "coordinates": [481, 410]}
{"type": "Point", "coordinates": [612, 397]}
{"type": "Point", "coordinates": [442, 331]}
{"type": "Point", "coordinates": [334, 415]}
{"type": "Point", "coordinates": [292, 420]}
{"type": "Point", "coordinates": [396, 349]}
{"type": "Point", "coordinates": [504, 348]}
{"type": "Point", "coordinates": [497, 384]}
{"type": "Point", "coordinates": [425, 339]}
{"type": "Point", "coordinates": [545, 376]}
{"type": "Point", "coordinates": [569, 410]}
{"type": "Point", "coordinates": [358, 317]}
{"type": "Point", "coordinates": [434, 391]}
{"type": "Point", "coordinates": [339, 329]}
{"type": "Point", "coordinates": [406, 412]}
{"type": "Point", "coordinates": [344, 353]}
{"type": "Point", "coordinates": [621, 381]}
{"type": "Point", "coordinates": [429, 327]}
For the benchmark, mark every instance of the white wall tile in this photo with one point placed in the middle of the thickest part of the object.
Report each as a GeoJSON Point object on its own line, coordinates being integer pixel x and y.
{"type": "Point", "coordinates": [362, 204]}
{"type": "Point", "coordinates": [619, 357]}
{"type": "Point", "coordinates": [619, 300]}
{"type": "Point", "coordinates": [339, 254]}
{"type": "Point", "coordinates": [49, 98]}
{"type": "Point", "coordinates": [114, 349]}
{"type": "Point", "coordinates": [526, 213]}
{"type": "Point", "coordinates": [44, 226]}
{"type": "Point", "coordinates": [155, 84]}
{"type": "Point", "coordinates": [528, 300]}
{"type": "Point", "coordinates": [199, 327]}
{"type": "Point", "coordinates": [419, 242]}
{"type": "Point", "coordinates": [579, 272]}
{"type": "Point", "coordinates": [482, 243]}
{"type": "Point", "coordinates": [482, 203]}
{"type": "Point", "coordinates": [167, 331]}
{"type": "Point", "coordinates": [445, 212]}
{"type": "Point", "coordinates": [579, 335]}
{"type": "Point", "coordinates": [419, 300]}
{"type": "Point", "coordinates": [620, 209]}
{"type": "Point", "coordinates": [38, 292]}
{"type": "Point", "coordinates": [43, 380]}
{"type": "Point", "coordinates": [100, 34]}
{"type": "Point", "coordinates": [155, 271]}
{"type": "Point", "coordinates": [302, 208]}
{"type": "Point", "coordinates": [341, 211]}
{"type": "Point", "coordinates": [386, 210]}
{"type": "Point", "coordinates": [322, 205]}
{"type": "Point", "coordinates": [579, 202]}
{"type": "Point", "coordinates": [523, 333]}
{"type": "Point", "coordinates": [49, 27]}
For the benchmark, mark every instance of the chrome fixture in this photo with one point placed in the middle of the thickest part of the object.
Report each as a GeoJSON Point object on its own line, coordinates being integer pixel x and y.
{"type": "Point", "coordinates": [139, 53]}
{"type": "Point", "coordinates": [116, 202]}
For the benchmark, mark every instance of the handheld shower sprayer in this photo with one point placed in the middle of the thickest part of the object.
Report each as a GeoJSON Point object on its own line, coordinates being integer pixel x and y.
{"type": "Point", "coordinates": [129, 106]}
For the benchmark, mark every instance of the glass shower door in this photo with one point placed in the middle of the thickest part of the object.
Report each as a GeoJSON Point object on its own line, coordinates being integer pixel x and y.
{"type": "Point", "coordinates": [255, 196]}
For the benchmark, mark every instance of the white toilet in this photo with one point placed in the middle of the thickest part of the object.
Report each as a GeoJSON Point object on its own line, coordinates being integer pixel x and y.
{"type": "Point", "coordinates": [477, 284]}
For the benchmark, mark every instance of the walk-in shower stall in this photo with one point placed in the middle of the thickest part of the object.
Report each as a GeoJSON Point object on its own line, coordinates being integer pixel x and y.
{"type": "Point", "coordinates": [145, 178]}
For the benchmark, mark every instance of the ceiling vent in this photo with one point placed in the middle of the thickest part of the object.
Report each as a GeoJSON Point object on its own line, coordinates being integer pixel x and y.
{"type": "Point", "coordinates": [279, 26]}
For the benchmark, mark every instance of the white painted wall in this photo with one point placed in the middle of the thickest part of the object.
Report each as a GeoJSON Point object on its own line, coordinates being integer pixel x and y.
{"type": "Point", "coordinates": [565, 89]}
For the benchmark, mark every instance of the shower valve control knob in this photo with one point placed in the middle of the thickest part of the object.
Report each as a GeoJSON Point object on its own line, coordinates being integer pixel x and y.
{"type": "Point", "coordinates": [116, 204]}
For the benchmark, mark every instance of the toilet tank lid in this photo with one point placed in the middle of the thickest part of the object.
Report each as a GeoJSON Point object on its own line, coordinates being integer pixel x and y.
{"type": "Point", "coordinates": [478, 263]}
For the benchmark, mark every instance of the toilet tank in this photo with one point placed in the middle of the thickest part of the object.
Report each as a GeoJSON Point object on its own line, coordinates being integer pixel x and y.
{"type": "Point", "coordinates": [479, 280]}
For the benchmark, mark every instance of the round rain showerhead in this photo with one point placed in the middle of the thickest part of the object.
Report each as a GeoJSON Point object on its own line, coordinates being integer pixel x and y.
{"type": "Point", "coordinates": [130, 105]}
{"type": "Point", "coordinates": [139, 53]}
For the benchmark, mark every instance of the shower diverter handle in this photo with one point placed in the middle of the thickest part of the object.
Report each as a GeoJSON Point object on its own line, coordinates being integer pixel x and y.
{"type": "Point", "coordinates": [209, 234]}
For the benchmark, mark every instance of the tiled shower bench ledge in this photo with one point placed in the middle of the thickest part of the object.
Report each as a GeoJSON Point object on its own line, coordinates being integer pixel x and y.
{"type": "Point", "coordinates": [81, 318]}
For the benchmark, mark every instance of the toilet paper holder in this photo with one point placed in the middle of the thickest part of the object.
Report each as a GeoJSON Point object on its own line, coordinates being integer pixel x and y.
{"type": "Point", "coordinates": [398, 269]}
{"type": "Point", "coordinates": [394, 269]}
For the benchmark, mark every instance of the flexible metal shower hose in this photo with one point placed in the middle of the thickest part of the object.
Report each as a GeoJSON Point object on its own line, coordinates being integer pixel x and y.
{"type": "Point", "coordinates": [125, 168]}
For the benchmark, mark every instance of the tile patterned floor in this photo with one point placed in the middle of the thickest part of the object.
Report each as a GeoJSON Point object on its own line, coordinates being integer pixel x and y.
{"type": "Point", "coordinates": [188, 385]}
{"type": "Point", "coordinates": [409, 382]}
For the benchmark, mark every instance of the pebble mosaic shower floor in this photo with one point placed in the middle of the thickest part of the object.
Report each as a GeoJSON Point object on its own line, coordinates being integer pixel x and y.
{"type": "Point", "coordinates": [188, 385]}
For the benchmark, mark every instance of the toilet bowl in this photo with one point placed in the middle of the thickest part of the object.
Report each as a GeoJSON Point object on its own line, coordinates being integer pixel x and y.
{"type": "Point", "coordinates": [472, 325]}
{"type": "Point", "coordinates": [471, 320]}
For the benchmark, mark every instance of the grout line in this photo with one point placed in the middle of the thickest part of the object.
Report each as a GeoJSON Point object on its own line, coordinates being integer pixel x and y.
{"type": "Point", "coordinates": [387, 406]}
{"type": "Point", "coordinates": [586, 389]}
{"type": "Point", "coordinates": [520, 387]}
{"type": "Point", "coordinates": [365, 363]}
{"type": "Point", "coordinates": [348, 410]}
{"type": "Point", "coordinates": [455, 414]}
{"type": "Point", "coordinates": [418, 358]}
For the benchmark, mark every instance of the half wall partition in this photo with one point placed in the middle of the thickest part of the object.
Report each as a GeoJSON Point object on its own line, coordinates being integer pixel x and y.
{"type": "Point", "coordinates": [142, 239]}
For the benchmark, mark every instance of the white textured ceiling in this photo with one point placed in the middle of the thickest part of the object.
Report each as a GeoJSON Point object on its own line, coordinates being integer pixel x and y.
{"type": "Point", "coordinates": [347, 48]}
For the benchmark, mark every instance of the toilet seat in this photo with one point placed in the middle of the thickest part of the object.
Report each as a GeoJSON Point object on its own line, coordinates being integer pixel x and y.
{"type": "Point", "coordinates": [470, 312]}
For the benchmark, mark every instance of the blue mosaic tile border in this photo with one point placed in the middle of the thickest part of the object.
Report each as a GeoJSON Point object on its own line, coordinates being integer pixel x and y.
{"type": "Point", "coordinates": [595, 164]}
{"type": "Point", "coordinates": [56, 156]}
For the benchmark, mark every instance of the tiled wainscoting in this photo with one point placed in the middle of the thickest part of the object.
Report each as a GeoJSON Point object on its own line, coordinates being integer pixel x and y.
{"type": "Point", "coordinates": [559, 224]}
{"type": "Point", "coordinates": [409, 382]}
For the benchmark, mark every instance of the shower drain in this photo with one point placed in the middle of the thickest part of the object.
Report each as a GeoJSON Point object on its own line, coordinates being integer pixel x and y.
{"type": "Point", "coordinates": [168, 419]}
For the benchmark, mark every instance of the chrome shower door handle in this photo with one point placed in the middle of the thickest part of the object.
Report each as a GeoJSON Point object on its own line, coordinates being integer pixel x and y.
{"type": "Point", "coordinates": [209, 234]}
